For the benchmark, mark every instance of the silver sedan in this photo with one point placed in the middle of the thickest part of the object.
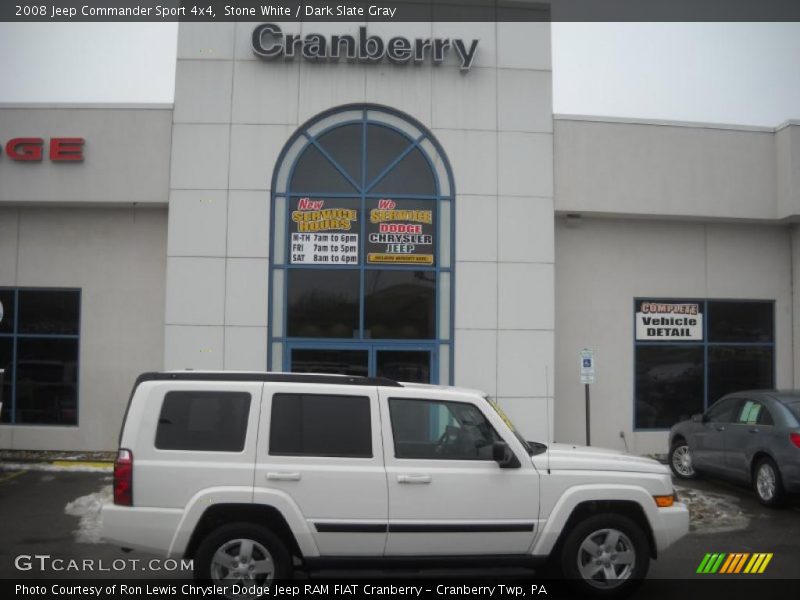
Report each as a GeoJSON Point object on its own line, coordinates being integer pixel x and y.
{"type": "Point", "coordinates": [750, 437]}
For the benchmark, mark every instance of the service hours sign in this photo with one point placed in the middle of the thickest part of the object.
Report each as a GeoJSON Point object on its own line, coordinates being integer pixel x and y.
{"type": "Point", "coordinates": [324, 232]}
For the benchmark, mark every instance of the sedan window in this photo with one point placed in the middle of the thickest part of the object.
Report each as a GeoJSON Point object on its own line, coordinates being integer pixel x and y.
{"type": "Point", "coordinates": [723, 411]}
{"type": "Point", "coordinates": [749, 415]}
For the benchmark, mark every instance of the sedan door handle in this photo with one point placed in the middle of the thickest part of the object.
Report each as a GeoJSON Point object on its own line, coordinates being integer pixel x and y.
{"type": "Point", "coordinates": [720, 427]}
{"type": "Point", "coordinates": [414, 478]}
{"type": "Point", "coordinates": [753, 430]}
{"type": "Point", "coordinates": [273, 476]}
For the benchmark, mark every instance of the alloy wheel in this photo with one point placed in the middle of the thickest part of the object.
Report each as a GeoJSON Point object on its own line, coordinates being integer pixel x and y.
{"type": "Point", "coordinates": [682, 461]}
{"type": "Point", "coordinates": [242, 561]}
{"type": "Point", "coordinates": [606, 558]}
{"type": "Point", "coordinates": [766, 483]}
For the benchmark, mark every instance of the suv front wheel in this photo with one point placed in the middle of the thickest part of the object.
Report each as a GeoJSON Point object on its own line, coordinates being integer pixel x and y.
{"type": "Point", "coordinates": [243, 554]}
{"type": "Point", "coordinates": [606, 555]}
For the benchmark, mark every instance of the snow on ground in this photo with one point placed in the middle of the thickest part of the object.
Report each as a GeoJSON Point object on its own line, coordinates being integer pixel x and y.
{"type": "Point", "coordinates": [88, 508]}
{"type": "Point", "coordinates": [711, 512]}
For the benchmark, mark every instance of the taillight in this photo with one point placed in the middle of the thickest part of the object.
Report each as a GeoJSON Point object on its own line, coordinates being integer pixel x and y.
{"type": "Point", "coordinates": [795, 437]}
{"type": "Point", "coordinates": [123, 478]}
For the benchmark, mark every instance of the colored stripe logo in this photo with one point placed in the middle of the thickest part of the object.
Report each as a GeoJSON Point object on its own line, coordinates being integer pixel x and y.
{"type": "Point", "coordinates": [734, 563]}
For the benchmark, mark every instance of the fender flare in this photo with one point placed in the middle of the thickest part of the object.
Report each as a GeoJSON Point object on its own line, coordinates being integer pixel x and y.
{"type": "Point", "coordinates": [554, 526]}
{"type": "Point", "coordinates": [280, 501]}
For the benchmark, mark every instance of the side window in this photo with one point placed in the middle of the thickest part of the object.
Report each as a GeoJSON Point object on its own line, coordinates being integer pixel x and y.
{"type": "Point", "coordinates": [320, 425]}
{"type": "Point", "coordinates": [210, 421]}
{"type": "Point", "coordinates": [724, 411]}
{"type": "Point", "coordinates": [754, 413]}
{"type": "Point", "coordinates": [432, 429]}
{"type": "Point", "coordinates": [764, 417]}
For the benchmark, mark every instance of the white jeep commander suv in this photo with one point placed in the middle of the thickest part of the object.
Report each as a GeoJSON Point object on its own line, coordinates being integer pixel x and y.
{"type": "Point", "coordinates": [254, 474]}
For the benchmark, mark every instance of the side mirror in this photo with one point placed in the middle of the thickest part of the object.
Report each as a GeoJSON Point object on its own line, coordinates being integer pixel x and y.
{"type": "Point", "coordinates": [504, 457]}
{"type": "Point", "coordinates": [697, 418]}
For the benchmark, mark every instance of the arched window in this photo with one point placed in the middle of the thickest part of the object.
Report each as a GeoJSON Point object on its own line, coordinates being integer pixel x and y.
{"type": "Point", "coordinates": [361, 261]}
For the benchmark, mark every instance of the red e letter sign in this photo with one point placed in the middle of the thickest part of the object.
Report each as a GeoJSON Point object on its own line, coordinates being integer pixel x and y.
{"type": "Point", "coordinates": [62, 149]}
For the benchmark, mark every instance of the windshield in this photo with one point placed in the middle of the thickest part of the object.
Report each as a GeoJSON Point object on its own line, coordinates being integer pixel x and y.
{"type": "Point", "coordinates": [510, 425]}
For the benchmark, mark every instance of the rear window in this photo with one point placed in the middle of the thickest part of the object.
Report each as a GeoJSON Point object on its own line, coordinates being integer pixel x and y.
{"type": "Point", "coordinates": [210, 421]}
{"type": "Point", "coordinates": [795, 408]}
{"type": "Point", "coordinates": [320, 425]}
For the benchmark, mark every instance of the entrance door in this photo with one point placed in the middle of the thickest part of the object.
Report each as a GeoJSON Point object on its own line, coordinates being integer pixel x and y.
{"type": "Point", "coordinates": [329, 360]}
{"type": "Point", "coordinates": [401, 363]}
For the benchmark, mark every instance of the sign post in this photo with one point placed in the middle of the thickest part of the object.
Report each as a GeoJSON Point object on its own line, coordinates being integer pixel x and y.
{"type": "Point", "coordinates": [587, 378]}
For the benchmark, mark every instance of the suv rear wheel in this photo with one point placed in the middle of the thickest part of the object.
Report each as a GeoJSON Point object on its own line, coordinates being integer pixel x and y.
{"type": "Point", "coordinates": [243, 554]}
{"type": "Point", "coordinates": [606, 555]}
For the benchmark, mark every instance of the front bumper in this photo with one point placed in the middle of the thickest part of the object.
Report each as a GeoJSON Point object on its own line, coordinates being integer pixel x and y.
{"type": "Point", "coordinates": [669, 525]}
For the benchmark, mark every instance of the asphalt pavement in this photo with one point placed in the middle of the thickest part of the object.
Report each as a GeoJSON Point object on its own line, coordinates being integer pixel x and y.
{"type": "Point", "coordinates": [34, 524]}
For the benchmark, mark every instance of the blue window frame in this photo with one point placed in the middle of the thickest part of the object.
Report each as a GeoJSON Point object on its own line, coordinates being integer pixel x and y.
{"type": "Point", "coordinates": [682, 368]}
{"type": "Point", "coordinates": [39, 349]}
{"type": "Point", "coordinates": [362, 247]}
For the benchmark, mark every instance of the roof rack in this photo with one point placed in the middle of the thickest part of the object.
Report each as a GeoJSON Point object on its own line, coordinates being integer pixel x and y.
{"type": "Point", "coordinates": [267, 377]}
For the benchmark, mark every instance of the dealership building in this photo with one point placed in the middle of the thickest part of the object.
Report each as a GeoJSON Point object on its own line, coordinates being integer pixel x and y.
{"type": "Point", "coordinates": [398, 200]}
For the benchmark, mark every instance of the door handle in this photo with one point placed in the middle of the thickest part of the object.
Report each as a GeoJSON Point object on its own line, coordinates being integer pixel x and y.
{"type": "Point", "coordinates": [414, 478]}
{"type": "Point", "coordinates": [273, 476]}
{"type": "Point", "coordinates": [720, 427]}
{"type": "Point", "coordinates": [753, 430]}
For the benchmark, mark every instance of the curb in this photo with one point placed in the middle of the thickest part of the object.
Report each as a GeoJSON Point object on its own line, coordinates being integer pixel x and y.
{"type": "Point", "coordinates": [82, 463]}
{"type": "Point", "coordinates": [85, 466]}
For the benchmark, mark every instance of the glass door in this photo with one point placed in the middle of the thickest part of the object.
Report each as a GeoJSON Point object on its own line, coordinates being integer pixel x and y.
{"type": "Point", "coordinates": [403, 365]}
{"type": "Point", "coordinates": [396, 362]}
{"type": "Point", "coordinates": [329, 360]}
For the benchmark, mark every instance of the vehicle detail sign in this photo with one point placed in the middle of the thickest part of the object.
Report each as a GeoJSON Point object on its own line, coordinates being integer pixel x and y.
{"type": "Point", "coordinates": [668, 321]}
{"type": "Point", "coordinates": [324, 232]}
{"type": "Point", "coordinates": [400, 232]}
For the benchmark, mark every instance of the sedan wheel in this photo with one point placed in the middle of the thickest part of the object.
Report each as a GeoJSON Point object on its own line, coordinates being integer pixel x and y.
{"type": "Point", "coordinates": [767, 483]}
{"type": "Point", "coordinates": [680, 461]}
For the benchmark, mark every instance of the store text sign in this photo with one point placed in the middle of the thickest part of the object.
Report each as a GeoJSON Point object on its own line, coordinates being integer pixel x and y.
{"type": "Point", "coordinates": [668, 321]}
{"type": "Point", "coordinates": [270, 43]}
{"type": "Point", "coordinates": [327, 231]}
{"type": "Point", "coordinates": [31, 149]}
{"type": "Point", "coordinates": [400, 232]}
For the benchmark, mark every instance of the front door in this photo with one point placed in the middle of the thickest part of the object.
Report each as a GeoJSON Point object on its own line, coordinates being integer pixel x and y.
{"type": "Point", "coordinates": [446, 493]}
{"type": "Point", "coordinates": [709, 451]}
{"type": "Point", "coordinates": [401, 362]}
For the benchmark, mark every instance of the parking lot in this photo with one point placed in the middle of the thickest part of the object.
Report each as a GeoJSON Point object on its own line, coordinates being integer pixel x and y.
{"type": "Point", "coordinates": [726, 518]}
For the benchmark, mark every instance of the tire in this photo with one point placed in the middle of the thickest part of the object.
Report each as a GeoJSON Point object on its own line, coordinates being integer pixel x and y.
{"type": "Point", "coordinates": [265, 557]}
{"type": "Point", "coordinates": [680, 460]}
{"type": "Point", "coordinates": [767, 483]}
{"type": "Point", "coordinates": [605, 556]}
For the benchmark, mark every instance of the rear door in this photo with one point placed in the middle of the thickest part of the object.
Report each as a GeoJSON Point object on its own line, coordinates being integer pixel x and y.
{"type": "Point", "coordinates": [321, 446]}
{"type": "Point", "coordinates": [751, 432]}
{"type": "Point", "coordinates": [446, 494]}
